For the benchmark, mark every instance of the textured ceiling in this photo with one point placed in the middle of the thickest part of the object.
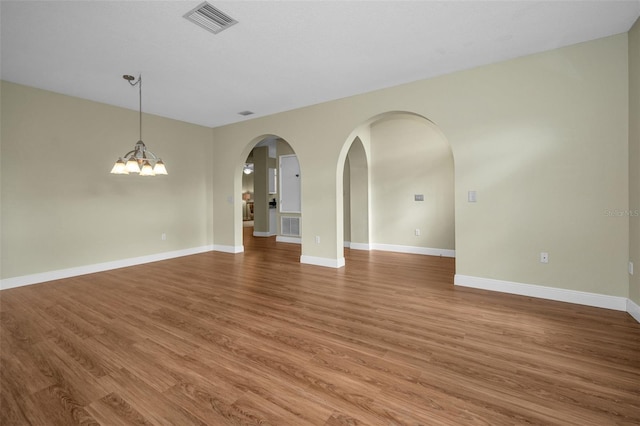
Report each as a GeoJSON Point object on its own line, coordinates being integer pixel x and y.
{"type": "Point", "coordinates": [281, 55]}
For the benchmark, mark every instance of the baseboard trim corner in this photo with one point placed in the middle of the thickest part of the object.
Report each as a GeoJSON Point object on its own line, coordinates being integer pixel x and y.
{"type": "Point", "coordinates": [228, 249]}
{"type": "Point", "coordinates": [323, 261]}
{"type": "Point", "coordinates": [291, 240]}
{"type": "Point", "coordinates": [360, 246]}
{"type": "Point", "coordinates": [633, 309]}
{"type": "Point", "coordinates": [263, 234]}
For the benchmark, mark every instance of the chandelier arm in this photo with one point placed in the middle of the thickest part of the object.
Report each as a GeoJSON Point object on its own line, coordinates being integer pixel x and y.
{"type": "Point", "coordinates": [144, 156]}
{"type": "Point", "coordinates": [154, 157]}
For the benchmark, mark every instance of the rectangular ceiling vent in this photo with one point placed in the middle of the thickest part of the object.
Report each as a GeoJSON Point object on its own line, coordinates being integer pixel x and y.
{"type": "Point", "coordinates": [210, 18]}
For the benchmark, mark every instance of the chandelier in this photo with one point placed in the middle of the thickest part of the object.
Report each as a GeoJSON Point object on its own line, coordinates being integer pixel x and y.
{"type": "Point", "coordinates": [139, 160]}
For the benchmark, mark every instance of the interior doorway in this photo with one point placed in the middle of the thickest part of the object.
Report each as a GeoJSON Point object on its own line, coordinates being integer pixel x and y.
{"type": "Point", "coordinates": [398, 187]}
{"type": "Point", "coordinates": [356, 197]}
{"type": "Point", "coordinates": [247, 191]}
{"type": "Point", "coordinates": [263, 194]}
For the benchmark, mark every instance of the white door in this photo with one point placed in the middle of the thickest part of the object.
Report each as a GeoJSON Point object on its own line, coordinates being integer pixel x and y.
{"type": "Point", "coordinates": [289, 184]}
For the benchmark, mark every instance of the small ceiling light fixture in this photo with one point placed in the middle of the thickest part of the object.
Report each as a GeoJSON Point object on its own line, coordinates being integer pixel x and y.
{"type": "Point", "coordinates": [248, 168]}
{"type": "Point", "coordinates": [139, 159]}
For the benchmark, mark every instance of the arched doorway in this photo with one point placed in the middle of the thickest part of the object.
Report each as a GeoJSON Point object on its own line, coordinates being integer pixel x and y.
{"type": "Point", "coordinates": [266, 189]}
{"type": "Point", "coordinates": [356, 197]}
{"type": "Point", "coordinates": [398, 187]}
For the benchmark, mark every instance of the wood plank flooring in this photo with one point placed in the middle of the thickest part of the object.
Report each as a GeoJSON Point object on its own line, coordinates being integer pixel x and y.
{"type": "Point", "coordinates": [258, 338]}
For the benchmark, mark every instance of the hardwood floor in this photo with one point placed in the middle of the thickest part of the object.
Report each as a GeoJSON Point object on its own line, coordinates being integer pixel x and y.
{"type": "Point", "coordinates": [258, 338]}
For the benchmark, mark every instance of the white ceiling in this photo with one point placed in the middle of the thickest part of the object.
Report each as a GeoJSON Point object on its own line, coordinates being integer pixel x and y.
{"type": "Point", "coordinates": [281, 55]}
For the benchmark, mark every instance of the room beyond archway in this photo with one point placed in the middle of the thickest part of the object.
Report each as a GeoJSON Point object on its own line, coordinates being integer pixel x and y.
{"type": "Point", "coordinates": [398, 187]}
{"type": "Point", "coordinates": [271, 192]}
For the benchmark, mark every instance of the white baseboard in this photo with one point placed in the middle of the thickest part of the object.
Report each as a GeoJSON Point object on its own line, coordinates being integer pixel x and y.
{"type": "Point", "coordinates": [543, 292]}
{"type": "Point", "coordinates": [98, 267]}
{"type": "Point", "coordinates": [633, 309]}
{"type": "Point", "coordinates": [292, 240]}
{"type": "Point", "coordinates": [322, 261]}
{"type": "Point", "coordinates": [228, 249]}
{"type": "Point", "coordinates": [263, 234]}
{"type": "Point", "coordinates": [360, 246]}
{"type": "Point", "coordinates": [414, 250]}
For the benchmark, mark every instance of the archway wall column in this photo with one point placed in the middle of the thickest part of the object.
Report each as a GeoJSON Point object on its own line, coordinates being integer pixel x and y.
{"type": "Point", "coordinates": [542, 139]}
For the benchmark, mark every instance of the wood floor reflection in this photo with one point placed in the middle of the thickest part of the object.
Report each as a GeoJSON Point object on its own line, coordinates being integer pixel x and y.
{"type": "Point", "coordinates": [258, 338]}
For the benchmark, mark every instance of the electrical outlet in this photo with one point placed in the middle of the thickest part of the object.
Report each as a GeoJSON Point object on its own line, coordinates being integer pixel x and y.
{"type": "Point", "coordinates": [630, 268]}
{"type": "Point", "coordinates": [317, 239]}
{"type": "Point", "coordinates": [417, 232]}
{"type": "Point", "coordinates": [544, 257]}
{"type": "Point", "coordinates": [163, 237]}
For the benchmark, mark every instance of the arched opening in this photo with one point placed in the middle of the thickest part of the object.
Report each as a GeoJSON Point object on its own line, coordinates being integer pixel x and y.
{"type": "Point", "coordinates": [271, 194]}
{"type": "Point", "coordinates": [356, 197]}
{"type": "Point", "coordinates": [398, 187]}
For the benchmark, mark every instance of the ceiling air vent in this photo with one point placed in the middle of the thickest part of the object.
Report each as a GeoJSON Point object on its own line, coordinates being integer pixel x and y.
{"type": "Point", "coordinates": [210, 18]}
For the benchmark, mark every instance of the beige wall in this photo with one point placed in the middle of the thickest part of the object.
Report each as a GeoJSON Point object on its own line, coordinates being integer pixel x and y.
{"type": "Point", "coordinates": [409, 156]}
{"type": "Point", "coordinates": [61, 208]}
{"type": "Point", "coordinates": [260, 190]}
{"type": "Point", "coordinates": [634, 160]}
{"type": "Point", "coordinates": [543, 140]}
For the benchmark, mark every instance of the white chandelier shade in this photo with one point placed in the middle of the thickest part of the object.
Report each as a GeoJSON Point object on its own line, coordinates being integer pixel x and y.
{"type": "Point", "coordinates": [139, 160]}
